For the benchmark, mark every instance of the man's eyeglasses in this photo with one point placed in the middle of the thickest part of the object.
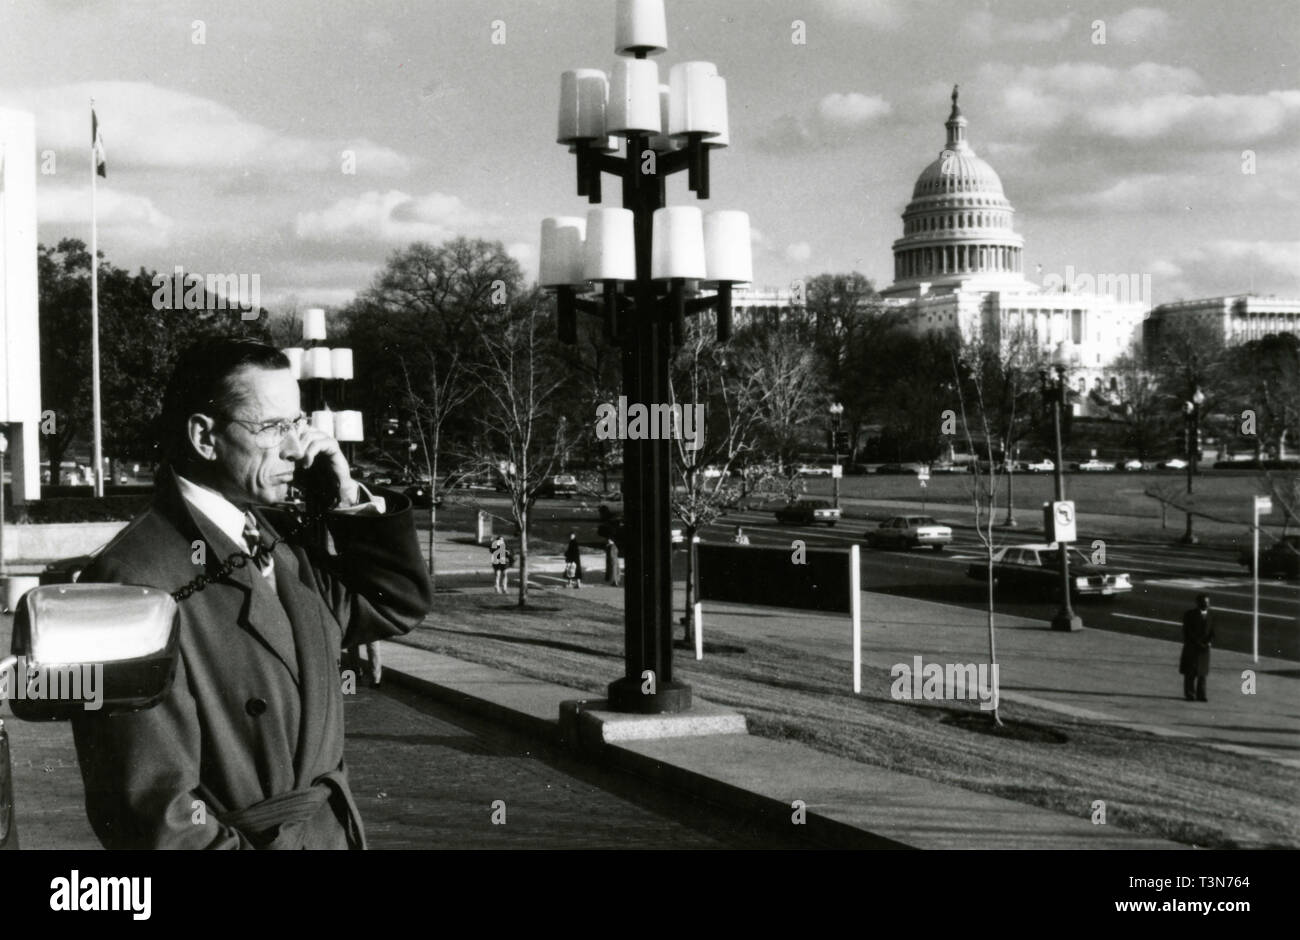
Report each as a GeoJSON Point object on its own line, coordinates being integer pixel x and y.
{"type": "Point", "coordinates": [272, 434]}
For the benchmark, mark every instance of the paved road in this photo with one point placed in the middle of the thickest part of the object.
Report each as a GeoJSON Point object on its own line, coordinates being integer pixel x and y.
{"type": "Point", "coordinates": [1166, 577]}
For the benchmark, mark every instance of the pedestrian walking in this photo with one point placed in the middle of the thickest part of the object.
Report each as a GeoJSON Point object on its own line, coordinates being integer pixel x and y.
{"type": "Point", "coordinates": [740, 538]}
{"type": "Point", "coordinates": [502, 559]}
{"type": "Point", "coordinates": [1198, 636]}
{"type": "Point", "coordinates": [611, 562]}
{"type": "Point", "coordinates": [573, 562]}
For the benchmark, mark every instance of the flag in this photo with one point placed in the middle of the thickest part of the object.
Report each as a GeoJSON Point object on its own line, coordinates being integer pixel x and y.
{"type": "Point", "coordinates": [97, 146]}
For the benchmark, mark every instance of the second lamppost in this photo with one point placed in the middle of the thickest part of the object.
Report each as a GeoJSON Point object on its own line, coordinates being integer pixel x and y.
{"type": "Point", "coordinates": [837, 412]}
{"type": "Point", "coordinates": [1054, 392]}
{"type": "Point", "coordinates": [1192, 411]}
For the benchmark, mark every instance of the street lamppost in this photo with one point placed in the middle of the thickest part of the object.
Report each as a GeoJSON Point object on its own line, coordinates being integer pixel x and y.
{"type": "Point", "coordinates": [639, 260]}
{"type": "Point", "coordinates": [1192, 409]}
{"type": "Point", "coordinates": [1054, 391]}
{"type": "Point", "coordinates": [837, 410]}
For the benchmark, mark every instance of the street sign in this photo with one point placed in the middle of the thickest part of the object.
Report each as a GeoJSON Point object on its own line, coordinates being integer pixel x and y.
{"type": "Point", "coordinates": [1059, 522]}
{"type": "Point", "coordinates": [837, 471]}
{"type": "Point", "coordinates": [1263, 505]}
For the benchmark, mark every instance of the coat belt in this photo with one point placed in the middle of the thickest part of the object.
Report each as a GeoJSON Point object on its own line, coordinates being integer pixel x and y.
{"type": "Point", "coordinates": [265, 823]}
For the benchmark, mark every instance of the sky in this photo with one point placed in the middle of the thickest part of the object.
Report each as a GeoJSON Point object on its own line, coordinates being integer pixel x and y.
{"type": "Point", "coordinates": [1170, 150]}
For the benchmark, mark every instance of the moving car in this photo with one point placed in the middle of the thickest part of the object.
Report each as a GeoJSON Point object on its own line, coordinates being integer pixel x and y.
{"type": "Point", "coordinates": [909, 532]}
{"type": "Point", "coordinates": [1095, 466]}
{"type": "Point", "coordinates": [813, 470]}
{"type": "Point", "coordinates": [1041, 466]}
{"type": "Point", "coordinates": [1173, 463]}
{"type": "Point", "coordinates": [1279, 560]}
{"type": "Point", "coordinates": [562, 484]}
{"type": "Point", "coordinates": [1037, 569]}
{"type": "Point", "coordinates": [808, 512]}
{"type": "Point", "coordinates": [1132, 465]}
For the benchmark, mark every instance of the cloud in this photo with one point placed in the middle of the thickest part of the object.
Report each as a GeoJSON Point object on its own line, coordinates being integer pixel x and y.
{"type": "Point", "coordinates": [1209, 119]}
{"type": "Point", "coordinates": [880, 14]}
{"type": "Point", "coordinates": [390, 217]}
{"type": "Point", "coordinates": [1138, 24]}
{"type": "Point", "coordinates": [983, 28]}
{"type": "Point", "coordinates": [1229, 266]}
{"type": "Point", "coordinates": [835, 120]}
{"type": "Point", "coordinates": [146, 126]}
{"type": "Point", "coordinates": [125, 220]}
{"type": "Point", "coordinates": [798, 252]}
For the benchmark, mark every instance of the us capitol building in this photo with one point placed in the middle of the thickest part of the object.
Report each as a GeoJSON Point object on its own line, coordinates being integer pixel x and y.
{"type": "Point", "coordinates": [959, 265]}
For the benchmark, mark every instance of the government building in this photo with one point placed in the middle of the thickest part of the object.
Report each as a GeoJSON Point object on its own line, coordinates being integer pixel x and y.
{"type": "Point", "coordinates": [959, 265]}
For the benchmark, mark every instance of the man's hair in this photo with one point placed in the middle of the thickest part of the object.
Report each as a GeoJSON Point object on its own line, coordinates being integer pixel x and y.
{"type": "Point", "coordinates": [201, 384]}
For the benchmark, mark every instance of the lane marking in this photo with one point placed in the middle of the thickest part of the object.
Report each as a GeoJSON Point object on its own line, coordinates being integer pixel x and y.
{"type": "Point", "coordinates": [1174, 623]}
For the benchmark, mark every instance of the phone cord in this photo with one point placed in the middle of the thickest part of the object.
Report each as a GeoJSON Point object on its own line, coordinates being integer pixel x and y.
{"type": "Point", "coordinates": [239, 559]}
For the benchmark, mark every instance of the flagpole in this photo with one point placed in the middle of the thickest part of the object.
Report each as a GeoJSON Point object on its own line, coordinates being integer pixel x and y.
{"type": "Point", "coordinates": [94, 320]}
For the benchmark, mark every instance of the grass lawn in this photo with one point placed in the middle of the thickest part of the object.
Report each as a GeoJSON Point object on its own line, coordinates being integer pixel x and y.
{"type": "Point", "coordinates": [1225, 494]}
{"type": "Point", "coordinates": [1151, 785]}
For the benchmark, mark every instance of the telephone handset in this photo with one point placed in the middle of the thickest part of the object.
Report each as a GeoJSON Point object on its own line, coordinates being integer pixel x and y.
{"type": "Point", "coordinates": [317, 484]}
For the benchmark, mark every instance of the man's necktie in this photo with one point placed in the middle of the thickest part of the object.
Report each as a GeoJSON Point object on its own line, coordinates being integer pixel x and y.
{"type": "Point", "coordinates": [253, 539]}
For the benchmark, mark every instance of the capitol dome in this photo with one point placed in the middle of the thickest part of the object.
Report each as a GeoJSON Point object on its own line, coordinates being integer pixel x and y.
{"type": "Point", "coordinates": [957, 229]}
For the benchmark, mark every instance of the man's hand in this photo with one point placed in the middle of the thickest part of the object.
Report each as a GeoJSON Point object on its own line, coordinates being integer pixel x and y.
{"type": "Point", "coordinates": [322, 455]}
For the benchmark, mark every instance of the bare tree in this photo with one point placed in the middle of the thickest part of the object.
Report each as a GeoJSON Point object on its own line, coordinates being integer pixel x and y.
{"type": "Point", "coordinates": [439, 393]}
{"type": "Point", "coordinates": [788, 373]}
{"type": "Point", "coordinates": [970, 372]}
{"type": "Point", "coordinates": [521, 421]}
{"type": "Point", "coordinates": [732, 399]}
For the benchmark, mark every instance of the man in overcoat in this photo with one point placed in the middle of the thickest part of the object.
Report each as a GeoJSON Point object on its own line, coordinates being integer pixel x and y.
{"type": "Point", "coordinates": [246, 749]}
{"type": "Point", "coordinates": [1198, 635]}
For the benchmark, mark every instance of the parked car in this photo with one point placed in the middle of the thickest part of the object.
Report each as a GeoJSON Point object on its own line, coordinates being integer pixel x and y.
{"type": "Point", "coordinates": [814, 470]}
{"type": "Point", "coordinates": [1279, 560]}
{"type": "Point", "coordinates": [909, 532]}
{"type": "Point", "coordinates": [1036, 569]}
{"type": "Point", "coordinates": [1095, 466]}
{"type": "Point", "coordinates": [1133, 465]}
{"type": "Point", "coordinates": [1173, 463]}
{"type": "Point", "coordinates": [1041, 466]}
{"type": "Point", "coordinates": [808, 512]}
{"type": "Point", "coordinates": [562, 484]}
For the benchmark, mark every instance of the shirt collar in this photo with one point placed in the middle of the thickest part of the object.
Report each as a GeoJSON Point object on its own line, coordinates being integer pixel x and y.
{"type": "Point", "coordinates": [220, 511]}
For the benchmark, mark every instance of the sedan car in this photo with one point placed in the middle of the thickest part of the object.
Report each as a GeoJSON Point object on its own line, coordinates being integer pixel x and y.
{"type": "Point", "coordinates": [909, 532]}
{"type": "Point", "coordinates": [1036, 569]}
{"type": "Point", "coordinates": [1279, 560]}
{"type": "Point", "coordinates": [1133, 465]}
{"type": "Point", "coordinates": [1041, 466]}
{"type": "Point", "coordinates": [813, 470]}
{"type": "Point", "coordinates": [808, 512]}
{"type": "Point", "coordinates": [1095, 466]}
{"type": "Point", "coordinates": [562, 484]}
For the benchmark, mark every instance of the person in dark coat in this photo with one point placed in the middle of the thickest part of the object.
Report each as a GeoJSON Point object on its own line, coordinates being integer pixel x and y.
{"type": "Point", "coordinates": [1198, 635]}
{"type": "Point", "coordinates": [611, 562]}
{"type": "Point", "coordinates": [246, 748]}
{"type": "Point", "coordinates": [573, 562]}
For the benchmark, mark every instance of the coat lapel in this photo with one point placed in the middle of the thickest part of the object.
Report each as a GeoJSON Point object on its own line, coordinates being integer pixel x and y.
{"type": "Point", "coordinates": [260, 613]}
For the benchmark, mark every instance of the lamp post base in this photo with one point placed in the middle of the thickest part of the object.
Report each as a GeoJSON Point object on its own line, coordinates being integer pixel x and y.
{"type": "Point", "coordinates": [1067, 622]}
{"type": "Point", "coordinates": [1189, 539]}
{"type": "Point", "coordinates": [626, 695]}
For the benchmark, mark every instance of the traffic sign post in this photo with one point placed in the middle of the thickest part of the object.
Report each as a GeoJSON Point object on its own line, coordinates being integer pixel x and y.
{"type": "Point", "coordinates": [923, 476]}
{"type": "Point", "coordinates": [1263, 506]}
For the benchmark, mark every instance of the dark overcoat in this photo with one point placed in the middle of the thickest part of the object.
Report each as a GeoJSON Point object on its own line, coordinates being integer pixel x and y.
{"type": "Point", "coordinates": [246, 749]}
{"type": "Point", "coordinates": [1198, 634]}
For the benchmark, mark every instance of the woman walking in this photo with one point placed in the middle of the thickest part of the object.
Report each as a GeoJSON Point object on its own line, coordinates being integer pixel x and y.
{"type": "Point", "coordinates": [501, 562]}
